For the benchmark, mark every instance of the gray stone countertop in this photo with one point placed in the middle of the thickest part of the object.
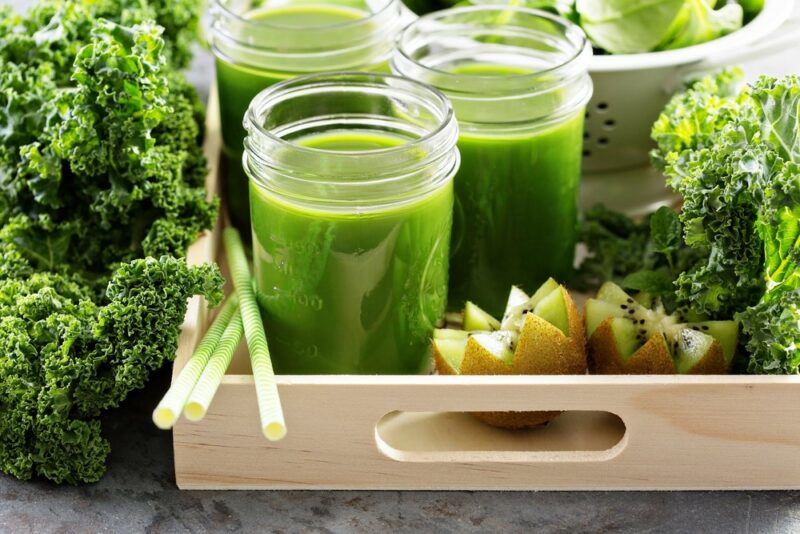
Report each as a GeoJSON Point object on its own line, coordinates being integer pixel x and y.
{"type": "Point", "coordinates": [138, 494]}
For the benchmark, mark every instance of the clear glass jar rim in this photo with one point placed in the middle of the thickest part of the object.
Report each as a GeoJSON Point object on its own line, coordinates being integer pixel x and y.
{"type": "Point", "coordinates": [582, 48]}
{"type": "Point", "coordinates": [363, 180]}
{"type": "Point", "coordinates": [267, 24]}
{"type": "Point", "coordinates": [275, 91]}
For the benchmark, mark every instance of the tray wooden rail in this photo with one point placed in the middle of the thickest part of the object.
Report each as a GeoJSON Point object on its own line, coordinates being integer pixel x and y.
{"type": "Point", "coordinates": [409, 432]}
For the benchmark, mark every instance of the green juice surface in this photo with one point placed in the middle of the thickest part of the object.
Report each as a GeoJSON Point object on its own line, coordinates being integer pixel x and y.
{"type": "Point", "coordinates": [238, 84]}
{"type": "Point", "coordinates": [346, 292]}
{"type": "Point", "coordinates": [515, 217]}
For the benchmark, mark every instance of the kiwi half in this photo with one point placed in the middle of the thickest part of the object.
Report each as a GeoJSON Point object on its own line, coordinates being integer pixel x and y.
{"type": "Point", "coordinates": [632, 334]}
{"type": "Point", "coordinates": [539, 334]}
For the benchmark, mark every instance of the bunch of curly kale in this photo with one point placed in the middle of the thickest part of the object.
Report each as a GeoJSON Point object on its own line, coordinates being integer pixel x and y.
{"type": "Point", "coordinates": [733, 154]}
{"type": "Point", "coordinates": [101, 172]}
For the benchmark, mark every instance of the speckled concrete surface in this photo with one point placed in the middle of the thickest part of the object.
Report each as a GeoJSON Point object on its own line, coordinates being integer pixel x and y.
{"type": "Point", "coordinates": [139, 495]}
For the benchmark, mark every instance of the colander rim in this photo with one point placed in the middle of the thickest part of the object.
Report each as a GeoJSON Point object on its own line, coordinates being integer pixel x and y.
{"type": "Point", "coordinates": [774, 13]}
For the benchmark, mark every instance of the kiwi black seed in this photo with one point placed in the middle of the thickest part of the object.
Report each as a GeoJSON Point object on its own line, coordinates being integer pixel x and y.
{"type": "Point", "coordinates": [623, 306]}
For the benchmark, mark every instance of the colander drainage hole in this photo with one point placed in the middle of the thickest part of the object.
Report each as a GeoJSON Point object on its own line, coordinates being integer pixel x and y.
{"type": "Point", "coordinates": [602, 142]}
{"type": "Point", "coordinates": [609, 124]}
{"type": "Point", "coordinates": [587, 153]}
{"type": "Point", "coordinates": [586, 135]}
{"type": "Point", "coordinates": [602, 106]}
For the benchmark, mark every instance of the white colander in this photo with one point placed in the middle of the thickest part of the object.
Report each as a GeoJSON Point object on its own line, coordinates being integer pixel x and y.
{"type": "Point", "coordinates": [631, 90]}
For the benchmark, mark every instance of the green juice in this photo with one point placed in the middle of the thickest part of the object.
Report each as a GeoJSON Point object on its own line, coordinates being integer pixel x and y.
{"type": "Point", "coordinates": [238, 84]}
{"type": "Point", "coordinates": [515, 216]}
{"type": "Point", "coordinates": [346, 292]}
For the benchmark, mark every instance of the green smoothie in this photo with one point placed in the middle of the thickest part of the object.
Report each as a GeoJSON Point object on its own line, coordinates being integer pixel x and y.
{"type": "Point", "coordinates": [515, 215]}
{"type": "Point", "coordinates": [238, 83]}
{"type": "Point", "coordinates": [347, 291]}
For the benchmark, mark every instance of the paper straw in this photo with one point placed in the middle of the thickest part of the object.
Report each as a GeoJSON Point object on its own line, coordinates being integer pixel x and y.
{"type": "Point", "coordinates": [169, 409]}
{"type": "Point", "coordinates": [206, 387]}
{"type": "Point", "coordinates": [273, 425]}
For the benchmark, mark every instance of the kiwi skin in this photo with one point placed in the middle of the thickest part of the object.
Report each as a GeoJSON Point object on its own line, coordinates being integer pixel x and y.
{"type": "Point", "coordinates": [542, 349]}
{"type": "Point", "coordinates": [443, 367]}
{"type": "Point", "coordinates": [713, 363]}
{"type": "Point", "coordinates": [652, 358]}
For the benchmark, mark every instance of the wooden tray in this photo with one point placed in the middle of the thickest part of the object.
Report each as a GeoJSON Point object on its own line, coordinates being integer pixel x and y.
{"type": "Point", "coordinates": [410, 432]}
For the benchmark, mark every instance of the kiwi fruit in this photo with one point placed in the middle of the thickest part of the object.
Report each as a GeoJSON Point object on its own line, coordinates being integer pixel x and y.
{"type": "Point", "coordinates": [633, 334]}
{"type": "Point", "coordinates": [539, 334]}
{"type": "Point", "coordinates": [475, 319]}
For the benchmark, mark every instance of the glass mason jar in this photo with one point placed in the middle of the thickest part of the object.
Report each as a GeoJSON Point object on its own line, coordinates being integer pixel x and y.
{"type": "Point", "coordinates": [351, 199]}
{"type": "Point", "coordinates": [259, 43]}
{"type": "Point", "coordinates": [518, 81]}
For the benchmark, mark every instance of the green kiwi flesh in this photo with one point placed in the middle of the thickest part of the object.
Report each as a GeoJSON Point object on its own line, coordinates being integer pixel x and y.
{"type": "Point", "coordinates": [726, 332]}
{"type": "Point", "coordinates": [633, 323]}
{"type": "Point", "coordinates": [475, 319]}
{"type": "Point", "coordinates": [624, 332]}
{"type": "Point", "coordinates": [452, 350]}
{"type": "Point", "coordinates": [688, 347]}
{"type": "Point", "coordinates": [450, 333]}
{"type": "Point", "coordinates": [500, 339]}
{"type": "Point", "coordinates": [553, 309]}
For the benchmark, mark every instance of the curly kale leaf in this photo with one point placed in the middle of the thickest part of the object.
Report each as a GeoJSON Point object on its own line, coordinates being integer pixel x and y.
{"type": "Point", "coordinates": [67, 358]}
{"type": "Point", "coordinates": [643, 256]}
{"type": "Point", "coordinates": [736, 161]}
{"type": "Point", "coordinates": [100, 165]}
{"type": "Point", "coordinates": [180, 20]}
{"type": "Point", "coordinates": [54, 31]}
{"type": "Point", "coordinates": [110, 167]}
{"type": "Point", "coordinates": [778, 102]}
{"type": "Point", "coordinates": [773, 331]}
{"type": "Point", "coordinates": [130, 338]}
{"type": "Point", "coordinates": [692, 118]}
{"type": "Point", "coordinates": [709, 147]}
{"type": "Point", "coordinates": [616, 245]}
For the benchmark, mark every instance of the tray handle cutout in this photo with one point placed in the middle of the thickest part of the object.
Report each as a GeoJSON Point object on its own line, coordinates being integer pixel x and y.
{"type": "Point", "coordinates": [574, 436]}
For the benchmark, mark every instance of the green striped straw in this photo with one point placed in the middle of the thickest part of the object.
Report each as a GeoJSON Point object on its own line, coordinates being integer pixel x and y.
{"type": "Point", "coordinates": [273, 425]}
{"type": "Point", "coordinates": [169, 409]}
{"type": "Point", "coordinates": [205, 389]}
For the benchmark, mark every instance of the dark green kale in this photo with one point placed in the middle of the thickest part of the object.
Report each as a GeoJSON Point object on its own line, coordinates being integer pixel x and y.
{"type": "Point", "coordinates": [616, 245]}
{"type": "Point", "coordinates": [101, 172]}
{"type": "Point", "coordinates": [646, 255]}
{"type": "Point", "coordinates": [110, 168]}
{"type": "Point", "coordinates": [66, 357]}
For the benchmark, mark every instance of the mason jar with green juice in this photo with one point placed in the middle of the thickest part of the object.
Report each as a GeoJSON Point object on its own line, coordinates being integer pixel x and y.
{"type": "Point", "coordinates": [259, 43]}
{"type": "Point", "coordinates": [351, 198]}
{"type": "Point", "coordinates": [518, 81]}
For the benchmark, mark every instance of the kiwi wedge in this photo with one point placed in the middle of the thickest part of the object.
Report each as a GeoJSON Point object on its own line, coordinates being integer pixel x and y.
{"type": "Point", "coordinates": [539, 334]}
{"type": "Point", "coordinates": [477, 319]}
{"type": "Point", "coordinates": [633, 334]}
